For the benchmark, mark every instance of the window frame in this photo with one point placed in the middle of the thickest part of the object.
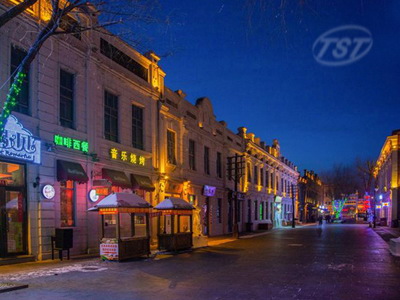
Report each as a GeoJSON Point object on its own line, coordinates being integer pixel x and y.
{"type": "Point", "coordinates": [171, 153]}
{"type": "Point", "coordinates": [65, 100]}
{"type": "Point", "coordinates": [73, 189]}
{"type": "Point", "coordinates": [192, 154]}
{"type": "Point", "coordinates": [206, 160]}
{"type": "Point", "coordinates": [114, 137]}
{"type": "Point", "coordinates": [25, 108]}
{"type": "Point", "coordinates": [219, 164]}
{"type": "Point", "coordinates": [138, 126]}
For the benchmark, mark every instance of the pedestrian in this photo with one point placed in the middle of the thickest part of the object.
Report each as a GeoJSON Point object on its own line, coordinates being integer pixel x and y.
{"type": "Point", "coordinates": [320, 220]}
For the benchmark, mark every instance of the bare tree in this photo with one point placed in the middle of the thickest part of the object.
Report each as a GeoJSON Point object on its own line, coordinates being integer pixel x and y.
{"type": "Point", "coordinates": [87, 15]}
{"type": "Point", "coordinates": [342, 181]}
{"type": "Point", "coordinates": [15, 10]}
{"type": "Point", "coordinates": [365, 170]}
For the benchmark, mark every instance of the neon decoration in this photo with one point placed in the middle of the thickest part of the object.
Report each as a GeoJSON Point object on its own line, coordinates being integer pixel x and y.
{"type": "Point", "coordinates": [125, 156]}
{"type": "Point", "coordinates": [18, 142]}
{"type": "Point", "coordinates": [71, 143]}
{"type": "Point", "coordinates": [337, 206]}
{"type": "Point", "coordinates": [11, 100]}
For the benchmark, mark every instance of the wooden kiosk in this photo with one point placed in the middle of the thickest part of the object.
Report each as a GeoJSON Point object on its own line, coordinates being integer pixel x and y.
{"type": "Point", "coordinates": [125, 230]}
{"type": "Point", "coordinates": [174, 233]}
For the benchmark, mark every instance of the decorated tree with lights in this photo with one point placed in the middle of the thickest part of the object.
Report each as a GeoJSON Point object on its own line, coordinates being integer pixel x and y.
{"type": "Point", "coordinates": [87, 15]}
{"type": "Point", "coordinates": [337, 207]}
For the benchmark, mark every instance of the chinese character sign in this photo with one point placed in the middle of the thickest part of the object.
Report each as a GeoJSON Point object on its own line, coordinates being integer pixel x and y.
{"type": "Point", "coordinates": [125, 156]}
{"type": "Point", "coordinates": [71, 143]}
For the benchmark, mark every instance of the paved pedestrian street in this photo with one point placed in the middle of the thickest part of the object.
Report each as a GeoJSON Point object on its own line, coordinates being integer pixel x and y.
{"type": "Point", "coordinates": [332, 261]}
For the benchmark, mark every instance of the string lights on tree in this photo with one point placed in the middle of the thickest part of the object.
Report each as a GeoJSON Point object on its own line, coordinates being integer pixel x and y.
{"type": "Point", "coordinates": [338, 207]}
{"type": "Point", "coordinates": [11, 100]}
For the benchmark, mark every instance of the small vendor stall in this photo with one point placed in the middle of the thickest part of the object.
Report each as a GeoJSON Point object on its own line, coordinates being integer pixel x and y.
{"type": "Point", "coordinates": [125, 226]}
{"type": "Point", "coordinates": [175, 224]}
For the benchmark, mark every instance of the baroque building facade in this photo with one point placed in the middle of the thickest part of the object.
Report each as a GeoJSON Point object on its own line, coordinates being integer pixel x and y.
{"type": "Point", "coordinates": [100, 119]}
{"type": "Point", "coordinates": [311, 196]}
{"type": "Point", "coordinates": [387, 177]}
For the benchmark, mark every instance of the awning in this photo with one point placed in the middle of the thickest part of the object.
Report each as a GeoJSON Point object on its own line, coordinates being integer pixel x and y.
{"type": "Point", "coordinates": [142, 183]}
{"type": "Point", "coordinates": [122, 203]}
{"type": "Point", "coordinates": [67, 170]}
{"type": "Point", "coordinates": [117, 178]}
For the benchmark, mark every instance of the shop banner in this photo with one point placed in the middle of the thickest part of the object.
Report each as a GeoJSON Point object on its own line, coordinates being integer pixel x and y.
{"type": "Point", "coordinates": [109, 251]}
{"type": "Point", "coordinates": [19, 143]}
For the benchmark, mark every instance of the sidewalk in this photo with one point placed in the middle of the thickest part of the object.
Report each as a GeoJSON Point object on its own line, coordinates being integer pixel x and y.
{"type": "Point", "coordinates": [387, 233]}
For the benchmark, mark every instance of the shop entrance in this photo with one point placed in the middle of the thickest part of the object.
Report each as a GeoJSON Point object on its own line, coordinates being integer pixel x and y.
{"type": "Point", "coordinates": [12, 210]}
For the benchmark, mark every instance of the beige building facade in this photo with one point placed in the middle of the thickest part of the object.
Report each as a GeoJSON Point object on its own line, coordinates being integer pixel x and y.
{"type": "Point", "coordinates": [101, 124]}
{"type": "Point", "coordinates": [387, 176]}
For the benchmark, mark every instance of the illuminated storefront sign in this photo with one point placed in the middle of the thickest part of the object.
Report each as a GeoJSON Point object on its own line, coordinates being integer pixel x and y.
{"type": "Point", "coordinates": [71, 143]}
{"type": "Point", "coordinates": [48, 191]}
{"type": "Point", "coordinates": [19, 143]}
{"type": "Point", "coordinates": [125, 156]}
{"type": "Point", "coordinates": [209, 191]}
{"type": "Point", "coordinates": [93, 196]}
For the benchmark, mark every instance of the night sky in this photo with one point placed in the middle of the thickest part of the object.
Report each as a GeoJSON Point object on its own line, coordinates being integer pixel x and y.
{"type": "Point", "coordinates": [255, 62]}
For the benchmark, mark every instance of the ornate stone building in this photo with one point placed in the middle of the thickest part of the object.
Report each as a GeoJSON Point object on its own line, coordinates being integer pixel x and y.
{"type": "Point", "coordinates": [387, 175]}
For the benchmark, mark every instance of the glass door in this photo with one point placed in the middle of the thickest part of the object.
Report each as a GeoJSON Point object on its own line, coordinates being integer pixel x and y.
{"type": "Point", "coordinates": [12, 222]}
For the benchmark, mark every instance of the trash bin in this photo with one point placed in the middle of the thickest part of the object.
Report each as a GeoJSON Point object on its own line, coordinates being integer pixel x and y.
{"type": "Point", "coordinates": [383, 222]}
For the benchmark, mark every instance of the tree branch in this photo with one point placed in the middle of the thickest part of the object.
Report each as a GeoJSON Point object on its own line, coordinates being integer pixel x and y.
{"type": "Point", "coordinates": [15, 11]}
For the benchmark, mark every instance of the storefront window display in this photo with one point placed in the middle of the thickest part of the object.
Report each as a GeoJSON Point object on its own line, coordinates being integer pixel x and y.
{"type": "Point", "coordinates": [67, 203]}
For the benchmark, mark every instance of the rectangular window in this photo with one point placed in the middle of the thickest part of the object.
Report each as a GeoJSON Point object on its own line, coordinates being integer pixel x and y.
{"type": "Point", "coordinates": [192, 155]}
{"type": "Point", "coordinates": [267, 179]}
{"type": "Point", "coordinates": [171, 147]}
{"type": "Point", "coordinates": [266, 211]}
{"type": "Point", "coordinates": [206, 160]}
{"type": "Point", "coordinates": [277, 183]}
{"type": "Point", "coordinates": [219, 210]}
{"type": "Point", "coordinates": [255, 175]}
{"type": "Point", "coordinates": [123, 59]}
{"type": "Point", "coordinates": [67, 203]}
{"type": "Point", "coordinates": [230, 168]}
{"type": "Point", "coordinates": [272, 181]}
{"type": "Point", "coordinates": [261, 177]}
{"type": "Point", "coordinates": [219, 164]}
{"type": "Point", "coordinates": [239, 211]}
{"type": "Point", "coordinates": [261, 210]}
{"type": "Point", "coordinates": [110, 116]}
{"type": "Point", "coordinates": [282, 185]}
{"type": "Point", "coordinates": [17, 55]}
{"type": "Point", "coordinates": [67, 81]}
{"type": "Point", "coordinates": [255, 211]}
{"type": "Point", "coordinates": [137, 127]}
{"type": "Point", "coordinates": [248, 173]}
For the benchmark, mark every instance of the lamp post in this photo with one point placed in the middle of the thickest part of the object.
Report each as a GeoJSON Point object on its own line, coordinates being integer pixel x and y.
{"type": "Point", "coordinates": [376, 191]}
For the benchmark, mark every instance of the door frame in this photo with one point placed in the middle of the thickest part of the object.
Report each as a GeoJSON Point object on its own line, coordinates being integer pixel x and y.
{"type": "Point", "coordinates": [3, 215]}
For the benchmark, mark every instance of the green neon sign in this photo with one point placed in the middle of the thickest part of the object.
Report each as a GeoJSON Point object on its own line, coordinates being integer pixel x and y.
{"type": "Point", "coordinates": [71, 143]}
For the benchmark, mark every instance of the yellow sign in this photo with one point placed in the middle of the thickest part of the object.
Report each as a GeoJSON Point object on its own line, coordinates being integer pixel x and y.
{"type": "Point", "coordinates": [116, 154]}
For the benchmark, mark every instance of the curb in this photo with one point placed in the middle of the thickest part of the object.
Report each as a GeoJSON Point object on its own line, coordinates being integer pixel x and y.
{"type": "Point", "coordinates": [8, 287]}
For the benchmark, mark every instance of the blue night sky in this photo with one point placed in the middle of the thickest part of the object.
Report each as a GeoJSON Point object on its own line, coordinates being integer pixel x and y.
{"type": "Point", "coordinates": [261, 74]}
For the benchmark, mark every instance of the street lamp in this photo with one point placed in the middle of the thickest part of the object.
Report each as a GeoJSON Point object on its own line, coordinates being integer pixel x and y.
{"type": "Point", "coordinates": [376, 191]}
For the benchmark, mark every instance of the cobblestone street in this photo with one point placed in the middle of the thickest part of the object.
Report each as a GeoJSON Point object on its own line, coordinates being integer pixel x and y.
{"type": "Point", "coordinates": [329, 262]}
